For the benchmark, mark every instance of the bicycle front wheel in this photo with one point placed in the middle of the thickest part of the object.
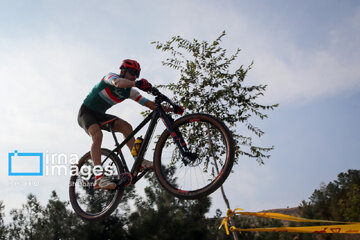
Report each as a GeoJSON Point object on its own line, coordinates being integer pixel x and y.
{"type": "Point", "coordinates": [89, 203]}
{"type": "Point", "coordinates": [211, 148]}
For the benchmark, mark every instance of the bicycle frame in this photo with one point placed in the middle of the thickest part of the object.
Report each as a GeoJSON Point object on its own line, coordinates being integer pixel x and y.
{"type": "Point", "coordinates": [153, 118]}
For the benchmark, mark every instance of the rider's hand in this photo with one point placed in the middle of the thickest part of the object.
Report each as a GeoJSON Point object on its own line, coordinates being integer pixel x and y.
{"type": "Point", "coordinates": [143, 84]}
{"type": "Point", "coordinates": [178, 110]}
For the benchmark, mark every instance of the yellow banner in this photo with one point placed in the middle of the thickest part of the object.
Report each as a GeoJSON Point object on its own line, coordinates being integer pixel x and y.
{"type": "Point", "coordinates": [351, 228]}
{"type": "Point", "coordinates": [346, 227]}
{"type": "Point", "coordinates": [285, 217]}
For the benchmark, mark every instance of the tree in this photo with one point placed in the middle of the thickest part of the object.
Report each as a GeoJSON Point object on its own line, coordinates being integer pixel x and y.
{"type": "Point", "coordinates": [162, 216]}
{"type": "Point", "coordinates": [55, 221]}
{"type": "Point", "coordinates": [209, 83]}
{"type": "Point", "coordinates": [26, 222]}
{"type": "Point", "coordinates": [338, 200]}
{"type": "Point", "coordinates": [34, 221]}
{"type": "Point", "coordinates": [112, 227]}
{"type": "Point", "coordinates": [58, 222]}
{"type": "Point", "coordinates": [350, 204]}
{"type": "Point", "coordinates": [3, 230]}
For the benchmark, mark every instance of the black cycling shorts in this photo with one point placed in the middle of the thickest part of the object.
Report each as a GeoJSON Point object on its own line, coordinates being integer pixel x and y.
{"type": "Point", "coordinates": [88, 117]}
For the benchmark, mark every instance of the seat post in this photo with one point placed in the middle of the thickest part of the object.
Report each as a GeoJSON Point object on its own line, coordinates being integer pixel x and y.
{"type": "Point", "coordinates": [113, 134]}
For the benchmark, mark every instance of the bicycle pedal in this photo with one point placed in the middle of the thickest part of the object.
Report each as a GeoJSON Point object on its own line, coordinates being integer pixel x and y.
{"type": "Point", "coordinates": [125, 180]}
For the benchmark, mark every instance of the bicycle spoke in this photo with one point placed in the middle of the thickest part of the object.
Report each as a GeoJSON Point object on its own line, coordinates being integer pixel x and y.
{"type": "Point", "coordinates": [204, 140]}
{"type": "Point", "coordinates": [87, 201]}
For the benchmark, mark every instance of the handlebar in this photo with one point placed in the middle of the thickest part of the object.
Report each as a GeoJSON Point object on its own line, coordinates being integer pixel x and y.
{"type": "Point", "coordinates": [178, 109]}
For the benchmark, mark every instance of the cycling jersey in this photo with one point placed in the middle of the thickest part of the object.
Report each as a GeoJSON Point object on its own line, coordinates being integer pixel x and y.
{"type": "Point", "coordinates": [104, 94]}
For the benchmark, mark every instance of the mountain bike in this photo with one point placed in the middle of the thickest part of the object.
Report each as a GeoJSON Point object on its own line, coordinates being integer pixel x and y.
{"type": "Point", "coordinates": [192, 158]}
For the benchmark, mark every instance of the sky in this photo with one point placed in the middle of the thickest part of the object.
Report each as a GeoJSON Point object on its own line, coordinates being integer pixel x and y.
{"type": "Point", "coordinates": [308, 53]}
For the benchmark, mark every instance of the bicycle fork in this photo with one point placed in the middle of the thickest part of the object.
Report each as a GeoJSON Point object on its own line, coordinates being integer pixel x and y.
{"type": "Point", "coordinates": [178, 139]}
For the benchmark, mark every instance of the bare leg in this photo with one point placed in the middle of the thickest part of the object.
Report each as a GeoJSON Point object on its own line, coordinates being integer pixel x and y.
{"type": "Point", "coordinates": [96, 135]}
{"type": "Point", "coordinates": [125, 128]}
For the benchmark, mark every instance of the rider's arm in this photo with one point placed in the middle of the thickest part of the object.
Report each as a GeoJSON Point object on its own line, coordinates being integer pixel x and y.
{"type": "Point", "coordinates": [150, 104]}
{"type": "Point", "coordinates": [136, 96]}
{"type": "Point", "coordinates": [114, 79]}
{"type": "Point", "coordinates": [122, 83]}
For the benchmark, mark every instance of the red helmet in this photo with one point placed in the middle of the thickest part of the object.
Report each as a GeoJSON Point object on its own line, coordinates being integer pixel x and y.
{"type": "Point", "coordinates": [130, 64]}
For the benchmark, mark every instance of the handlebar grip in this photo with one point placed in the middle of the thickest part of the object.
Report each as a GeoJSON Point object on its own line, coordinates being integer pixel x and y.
{"type": "Point", "coordinates": [154, 91]}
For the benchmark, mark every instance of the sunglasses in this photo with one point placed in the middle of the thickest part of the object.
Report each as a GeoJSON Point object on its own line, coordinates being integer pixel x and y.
{"type": "Point", "coordinates": [133, 72]}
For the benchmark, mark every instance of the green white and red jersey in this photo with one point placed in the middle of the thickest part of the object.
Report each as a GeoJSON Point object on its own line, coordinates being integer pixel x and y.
{"type": "Point", "coordinates": [104, 94]}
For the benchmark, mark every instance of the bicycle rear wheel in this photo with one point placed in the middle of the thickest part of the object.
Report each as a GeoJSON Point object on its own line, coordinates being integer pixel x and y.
{"type": "Point", "coordinates": [89, 203]}
{"type": "Point", "coordinates": [211, 145]}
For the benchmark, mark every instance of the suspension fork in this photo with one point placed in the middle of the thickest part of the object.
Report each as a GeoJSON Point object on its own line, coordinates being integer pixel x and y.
{"type": "Point", "coordinates": [175, 134]}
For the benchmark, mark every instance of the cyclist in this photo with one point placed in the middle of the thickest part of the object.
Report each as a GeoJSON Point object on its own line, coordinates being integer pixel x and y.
{"type": "Point", "coordinates": [113, 89]}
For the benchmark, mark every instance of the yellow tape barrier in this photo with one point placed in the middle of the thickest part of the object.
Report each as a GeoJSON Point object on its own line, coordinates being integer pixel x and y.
{"type": "Point", "coordinates": [346, 227]}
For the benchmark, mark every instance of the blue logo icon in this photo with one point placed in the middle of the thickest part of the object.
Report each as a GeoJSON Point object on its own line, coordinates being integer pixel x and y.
{"type": "Point", "coordinates": [25, 164]}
